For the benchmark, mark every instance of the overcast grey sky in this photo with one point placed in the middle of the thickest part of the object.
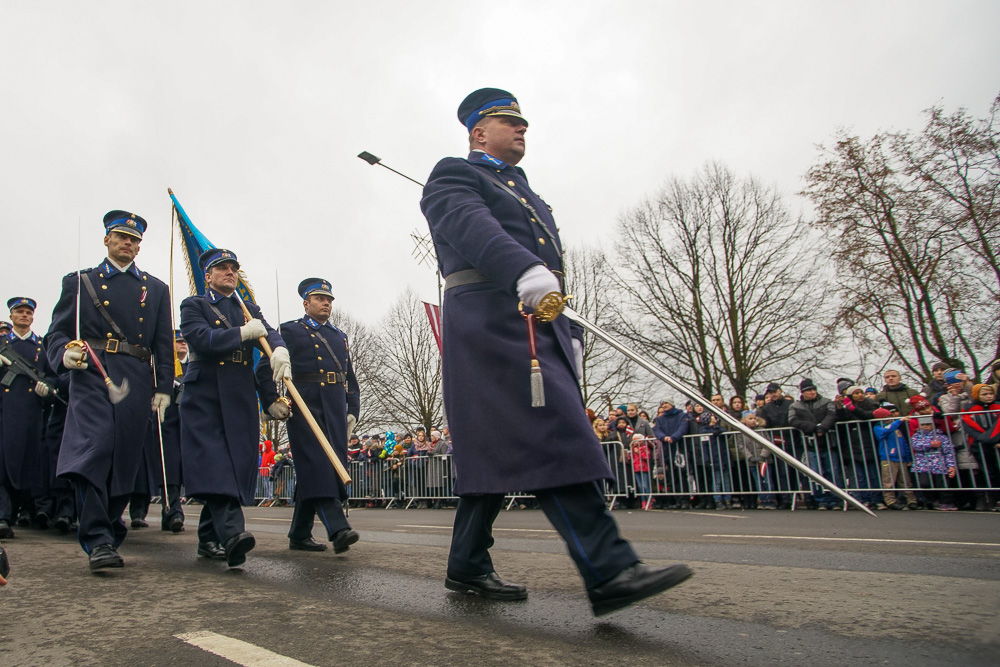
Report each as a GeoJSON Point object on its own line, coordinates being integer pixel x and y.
{"type": "Point", "coordinates": [253, 112]}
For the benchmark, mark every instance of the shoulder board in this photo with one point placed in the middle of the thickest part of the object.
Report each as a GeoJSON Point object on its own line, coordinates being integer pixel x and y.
{"type": "Point", "coordinates": [73, 273]}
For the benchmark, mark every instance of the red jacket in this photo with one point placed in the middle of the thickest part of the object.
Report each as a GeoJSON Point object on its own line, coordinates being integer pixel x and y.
{"type": "Point", "coordinates": [983, 428]}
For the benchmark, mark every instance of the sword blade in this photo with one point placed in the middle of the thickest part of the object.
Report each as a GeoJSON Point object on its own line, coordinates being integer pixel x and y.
{"type": "Point", "coordinates": [724, 416]}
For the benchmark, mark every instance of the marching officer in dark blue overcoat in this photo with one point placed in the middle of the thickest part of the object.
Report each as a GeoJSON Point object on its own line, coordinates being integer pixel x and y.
{"type": "Point", "coordinates": [220, 427]}
{"type": "Point", "coordinates": [497, 244]}
{"type": "Point", "coordinates": [124, 316]}
{"type": "Point", "coordinates": [324, 375]}
{"type": "Point", "coordinates": [22, 467]}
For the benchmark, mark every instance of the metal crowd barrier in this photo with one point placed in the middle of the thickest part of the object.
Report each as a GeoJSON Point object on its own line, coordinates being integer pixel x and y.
{"type": "Point", "coordinates": [726, 467]}
{"type": "Point", "coordinates": [280, 488]}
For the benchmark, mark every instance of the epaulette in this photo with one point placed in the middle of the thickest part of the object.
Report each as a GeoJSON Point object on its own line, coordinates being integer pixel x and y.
{"type": "Point", "coordinates": [73, 273]}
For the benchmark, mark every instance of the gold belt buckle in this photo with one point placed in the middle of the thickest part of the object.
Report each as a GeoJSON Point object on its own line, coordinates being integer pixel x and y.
{"type": "Point", "coordinates": [237, 356]}
{"type": "Point", "coordinates": [112, 348]}
{"type": "Point", "coordinates": [331, 377]}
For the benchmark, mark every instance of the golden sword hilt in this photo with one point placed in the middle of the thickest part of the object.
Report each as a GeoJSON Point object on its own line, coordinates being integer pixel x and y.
{"type": "Point", "coordinates": [551, 306]}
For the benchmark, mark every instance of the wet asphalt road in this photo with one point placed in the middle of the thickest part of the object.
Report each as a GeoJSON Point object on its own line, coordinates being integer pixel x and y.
{"type": "Point", "coordinates": [909, 588]}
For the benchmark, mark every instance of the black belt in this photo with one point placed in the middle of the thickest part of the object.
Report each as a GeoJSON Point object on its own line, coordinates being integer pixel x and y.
{"type": "Point", "coordinates": [236, 357]}
{"type": "Point", "coordinates": [465, 277]}
{"type": "Point", "coordinates": [329, 378]}
{"type": "Point", "coordinates": [115, 346]}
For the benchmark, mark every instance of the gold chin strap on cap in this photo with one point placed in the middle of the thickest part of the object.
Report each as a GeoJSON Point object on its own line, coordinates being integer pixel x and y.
{"type": "Point", "coordinates": [551, 306]}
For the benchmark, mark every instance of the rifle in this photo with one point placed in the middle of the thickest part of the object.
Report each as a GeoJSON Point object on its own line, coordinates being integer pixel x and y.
{"type": "Point", "coordinates": [20, 366]}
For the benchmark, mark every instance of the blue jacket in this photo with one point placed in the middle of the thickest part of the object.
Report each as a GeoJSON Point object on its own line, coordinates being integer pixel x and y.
{"type": "Point", "coordinates": [103, 442]}
{"type": "Point", "coordinates": [220, 422]}
{"type": "Point", "coordinates": [21, 462]}
{"type": "Point", "coordinates": [501, 443]}
{"type": "Point", "coordinates": [672, 423]}
{"type": "Point", "coordinates": [329, 402]}
{"type": "Point", "coordinates": [892, 445]}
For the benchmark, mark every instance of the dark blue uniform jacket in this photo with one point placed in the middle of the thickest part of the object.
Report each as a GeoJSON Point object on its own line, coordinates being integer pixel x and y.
{"type": "Point", "coordinates": [501, 443]}
{"type": "Point", "coordinates": [103, 442]}
{"type": "Point", "coordinates": [329, 402]}
{"type": "Point", "coordinates": [22, 462]}
{"type": "Point", "coordinates": [220, 422]}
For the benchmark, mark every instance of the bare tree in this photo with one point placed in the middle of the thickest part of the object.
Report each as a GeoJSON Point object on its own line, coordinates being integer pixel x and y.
{"type": "Point", "coordinates": [913, 222]}
{"type": "Point", "coordinates": [722, 282]}
{"type": "Point", "coordinates": [364, 351]}
{"type": "Point", "coordinates": [607, 377]}
{"type": "Point", "coordinates": [406, 376]}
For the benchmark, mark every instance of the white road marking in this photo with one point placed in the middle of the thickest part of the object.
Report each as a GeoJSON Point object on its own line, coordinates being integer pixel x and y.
{"type": "Point", "coordinates": [512, 530]}
{"type": "Point", "coordinates": [717, 516]}
{"type": "Point", "coordinates": [238, 651]}
{"type": "Point", "coordinates": [856, 539]}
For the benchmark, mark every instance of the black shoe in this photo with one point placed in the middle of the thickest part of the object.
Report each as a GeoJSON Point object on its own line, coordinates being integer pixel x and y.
{"type": "Point", "coordinates": [139, 523]}
{"type": "Point", "coordinates": [176, 525]}
{"type": "Point", "coordinates": [211, 550]}
{"type": "Point", "coordinates": [308, 544]}
{"type": "Point", "coordinates": [237, 547]}
{"type": "Point", "coordinates": [4, 564]}
{"type": "Point", "coordinates": [63, 524]}
{"type": "Point", "coordinates": [104, 556]}
{"type": "Point", "coordinates": [635, 583]}
{"type": "Point", "coordinates": [5, 530]}
{"type": "Point", "coordinates": [343, 540]}
{"type": "Point", "coordinates": [23, 520]}
{"type": "Point", "coordinates": [489, 586]}
{"type": "Point", "coordinates": [41, 521]}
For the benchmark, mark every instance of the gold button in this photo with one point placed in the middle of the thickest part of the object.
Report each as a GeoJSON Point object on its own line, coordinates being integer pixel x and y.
{"type": "Point", "coordinates": [510, 183]}
{"type": "Point", "coordinates": [320, 358]}
{"type": "Point", "coordinates": [321, 370]}
{"type": "Point", "coordinates": [143, 288]}
{"type": "Point", "coordinates": [221, 363]}
{"type": "Point", "coordinates": [523, 200]}
{"type": "Point", "coordinates": [533, 220]}
{"type": "Point", "coordinates": [322, 384]}
{"type": "Point", "coordinates": [140, 335]}
{"type": "Point", "coordinates": [142, 305]}
{"type": "Point", "coordinates": [541, 240]}
{"type": "Point", "coordinates": [144, 277]}
{"type": "Point", "coordinates": [218, 322]}
{"type": "Point", "coordinates": [101, 274]}
{"type": "Point", "coordinates": [109, 334]}
{"type": "Point", "coordinates": [107, 303]}
{"type": "Point", "coordinates": [316, 346]}
{"type": "Point", "coordinates": [104, 287]}
{"type": "Point", "coordinates": [244, 363]}
{"type": "Point", "coordinates": [140, 319]}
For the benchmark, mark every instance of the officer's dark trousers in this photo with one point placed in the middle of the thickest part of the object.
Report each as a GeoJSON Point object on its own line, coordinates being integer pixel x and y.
{"type": "Point", "coordinates": [221, 519]}
{"type": "Point", "coordinates": [11, 501]}
{"type": "Point", "coordinates": [100, 516]}
{"type": "Point", "coordinates": [138, 505]}
{"type": "Point", "coordinates": [330, 512]}
{"type": "Point", "coordinates": [577, 513]}
{"type": "Point", "coordinates": [174, 508]}
{"type": "Point", "coordinates": [58, 503]}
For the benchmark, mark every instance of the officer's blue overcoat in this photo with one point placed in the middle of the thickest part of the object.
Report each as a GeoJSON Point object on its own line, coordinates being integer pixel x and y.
{"type": "Point", "coordinates": [220, 424]}
{"type": "Point", "coordinates": [103, 442]}
{"type": "Point", "coordinates": [22, 461]}
{"type": "Point", "coordinates": [501, 443]}
{"type": "Point", "coordinates": [329, 402]}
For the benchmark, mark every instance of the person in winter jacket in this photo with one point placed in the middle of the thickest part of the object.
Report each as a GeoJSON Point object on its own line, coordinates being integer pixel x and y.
{"type": "Point", "coordinates": [759, 461]}
{"type": "Point", "coordinates": [894, 458]}
{"type": "Point", "coordinates": [815, 416]}
{"type": "Point", "coordinates": [896, 392]}
{"type": "Point", "coordinates": [933, 462]}
{"type": "Point", "coordinates": [857, 444]}
{"type": "Point", "coordinates": [981, 423]}
{"type": "Point", "coordinates": [712, 457]}
{"type": "Point", "coordinates": [669, 428]}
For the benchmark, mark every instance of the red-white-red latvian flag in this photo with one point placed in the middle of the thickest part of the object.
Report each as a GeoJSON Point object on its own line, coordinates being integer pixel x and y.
{"type": "Point", "coordinates": [434, 315]}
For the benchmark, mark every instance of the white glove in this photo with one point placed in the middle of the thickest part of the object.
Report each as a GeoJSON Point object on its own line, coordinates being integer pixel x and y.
{"type": "Point", "coordinates": [253, 330]}
{"type": "Point", "coordinates": [73, 358]}
{"type": "Point", "coordinates": [160, 404]}
{"type": "Point", "coordinates": [578, 357]}
{"type": "Point", "coordinates": [42, 389]}
{"type": "Point", "coordinates": [535, 283]}
{"type": "Point", "coordinates": [279, 410]}
{"type": "Point", "coordinates": [352, 421]}
{"type": "Point", "coordinates": [4, 361]}
{"type": "Point", "coordinates": [281, 366]}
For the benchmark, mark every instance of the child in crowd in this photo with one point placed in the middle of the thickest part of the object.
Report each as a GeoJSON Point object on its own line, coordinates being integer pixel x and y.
{"type": "Point", "coordinates": [640, 468]}
{"type": "Point", "coordinates": [982, 426]}
{"type": "Point", "coordinates": [759, 460]}
{"type": "Point", "coordinates": [894, 458]}
{"type": "Point", "coordinates": [933, 457]}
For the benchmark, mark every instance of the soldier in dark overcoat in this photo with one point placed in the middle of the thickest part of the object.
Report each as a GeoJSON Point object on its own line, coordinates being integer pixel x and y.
{"type": "Point", "coordinates": [124, 317]}
{"type": "Point", "coordinates": [58, 503]}
{"type": "Point", "coordinates": [324, 375]}
{"type": "Point", "coordinates": [220, 427]}
{"type": "Point", "coordinates": [497, 243]}
{"type": "Point", "coordinates": [22, 467]}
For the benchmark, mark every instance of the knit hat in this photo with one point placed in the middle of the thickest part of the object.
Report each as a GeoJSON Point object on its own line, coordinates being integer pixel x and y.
{"type": "Point", "coordinates": [881, 413]}
{"type": "Point", "coordinates": [759, 397]}
{"type": "Point", "coordinates": [842, 386]}
{"type": "Point", "coordinates": [979, 387]}
{"type": "Point", "coordinates": [806, 385]}
{"type": "Point", "coordinates": [870, 390]}
{"type": "Point", "coordinates": [918, 402]}
{"type": "Point", "coordinates": [853, 388]}
{"type": "Point", "coordinates": [940, 366]}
